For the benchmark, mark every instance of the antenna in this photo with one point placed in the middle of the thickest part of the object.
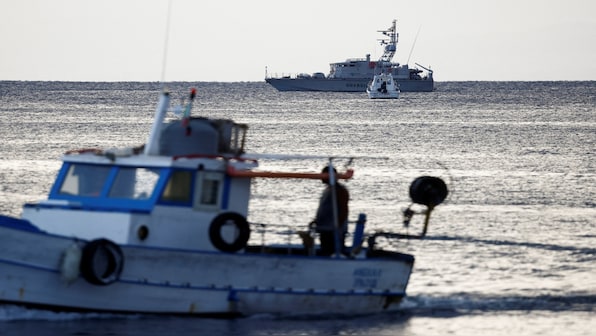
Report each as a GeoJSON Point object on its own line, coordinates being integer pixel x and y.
{"type": "Point", "coordinates": [165, 45]}
{"type": "Point", "coordinates": [413, 44]}
{"type": "Point", "coordinates": [152, 146]}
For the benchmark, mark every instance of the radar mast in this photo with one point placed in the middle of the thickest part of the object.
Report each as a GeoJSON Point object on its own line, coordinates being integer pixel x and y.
{"type": "Point", "coordinates": [390, 43]}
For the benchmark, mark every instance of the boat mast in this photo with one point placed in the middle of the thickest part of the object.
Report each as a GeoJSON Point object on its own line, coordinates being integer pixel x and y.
{"type": "Point", "coordinates": [152, 146]}
{"type": "Point", "coordinates": [390, 44]}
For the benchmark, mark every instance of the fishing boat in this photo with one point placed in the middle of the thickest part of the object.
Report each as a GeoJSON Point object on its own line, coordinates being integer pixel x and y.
{"type": "Point", "coordinates": [353, 74]}
{"type": "Point", "coordinates": [382, 86]}
{"type": "Point", "coordinates": [163, 228]}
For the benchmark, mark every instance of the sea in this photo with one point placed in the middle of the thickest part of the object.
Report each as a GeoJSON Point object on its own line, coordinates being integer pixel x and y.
{"type": "Point", "coordinates": [511, 251]}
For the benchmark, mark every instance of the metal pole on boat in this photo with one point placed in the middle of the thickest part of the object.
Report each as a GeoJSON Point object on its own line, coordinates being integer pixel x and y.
{"type": "Point", "coordinates": [186, 115]}
{"type": "Point", "coordinates": [152, 147]}
{"type": "Point", "coordinates": [333, 188]}
{"type": "Point", "coordinates": [426, 220]}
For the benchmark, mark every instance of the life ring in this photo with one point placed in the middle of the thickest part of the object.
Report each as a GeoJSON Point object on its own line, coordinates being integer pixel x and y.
{"type": "Point", "coordinates": [240, 240]}
{"type": "Point", "coordinates": [101, 262]}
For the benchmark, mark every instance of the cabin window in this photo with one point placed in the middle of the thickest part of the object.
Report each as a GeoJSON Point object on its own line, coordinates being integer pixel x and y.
{"type": "Point", "coordinates": [208, 190]}
{"type": "Point", "coordinates": [84, 180]}
{"type": "Point", "coordinates": [178, 187]}
{"type": "Point", "coordinates": [135, 183]}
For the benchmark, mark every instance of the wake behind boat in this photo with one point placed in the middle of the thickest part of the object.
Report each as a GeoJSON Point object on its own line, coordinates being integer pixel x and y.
{"type": "Point", "coordinates": [163, 228]}
{"type": "Point", "coordinates": [353, 75]}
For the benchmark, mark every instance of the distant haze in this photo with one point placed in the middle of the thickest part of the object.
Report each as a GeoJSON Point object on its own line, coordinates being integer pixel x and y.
{"type": "Point", "coordinates": [123, 40]}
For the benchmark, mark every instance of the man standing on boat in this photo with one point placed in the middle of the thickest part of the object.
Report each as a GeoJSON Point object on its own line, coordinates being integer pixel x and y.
{"type": "Point", "coordinates": [329, 230]}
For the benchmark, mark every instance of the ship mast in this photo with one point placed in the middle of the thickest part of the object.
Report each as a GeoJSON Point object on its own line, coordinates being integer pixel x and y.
{"type": "Point", "coordinates": [390, 43]}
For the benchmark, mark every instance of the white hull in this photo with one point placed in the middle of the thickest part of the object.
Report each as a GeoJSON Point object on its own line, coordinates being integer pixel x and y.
{"type": "Point", "coordinates": [171, 281]}
{"type": "Point", "coordinates": [380, 95]}
{"type": "Point", "coordinates": [382, 86]}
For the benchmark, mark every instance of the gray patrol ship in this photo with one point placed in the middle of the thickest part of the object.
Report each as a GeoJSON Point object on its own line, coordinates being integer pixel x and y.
{"type": "Point", "coordinates": [353, 75]}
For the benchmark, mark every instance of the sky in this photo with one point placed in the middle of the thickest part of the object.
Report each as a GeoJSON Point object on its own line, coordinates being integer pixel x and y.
{"type": "Point", "coordinates": [239, 40]}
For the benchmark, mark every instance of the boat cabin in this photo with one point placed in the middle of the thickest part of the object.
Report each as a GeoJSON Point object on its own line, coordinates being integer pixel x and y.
{"type": "Point", "coordinates": [164, 200]}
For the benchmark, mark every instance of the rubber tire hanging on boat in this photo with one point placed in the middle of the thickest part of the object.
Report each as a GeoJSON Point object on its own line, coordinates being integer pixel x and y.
{"type": "Point", "coordinates": [428, 190]}
{"type": "Point", "coordinates": [229, 218]}
{"type": "Point", "coordinates": [101, 262]}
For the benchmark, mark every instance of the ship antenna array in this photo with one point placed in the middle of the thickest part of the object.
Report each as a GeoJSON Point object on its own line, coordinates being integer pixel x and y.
{"type": "Point", "coordinates": [391, 43]}
{"type": "Point", "coordinates": [389, 32]}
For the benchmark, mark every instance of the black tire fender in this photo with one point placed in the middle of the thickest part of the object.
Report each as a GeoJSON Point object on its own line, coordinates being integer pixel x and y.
{"type": "Point", "coordinates": [428, 190]}
{"type": "Point", "coordinates": [101, 262]}
{"type": "Point", "coordinates": [224, 219]}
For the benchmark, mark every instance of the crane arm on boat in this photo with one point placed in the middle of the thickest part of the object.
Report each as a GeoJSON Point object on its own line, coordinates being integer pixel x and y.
{"type": "Point", "coordinates": [428, 191]}
{"type": "Point", "coordinates": [348, 174]}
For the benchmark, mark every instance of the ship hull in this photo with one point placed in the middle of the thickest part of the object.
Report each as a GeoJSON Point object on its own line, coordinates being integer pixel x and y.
{"type": "Point", "coordinates": [177, 281]}
{"type": "Point", "coordinates": [343, 85]}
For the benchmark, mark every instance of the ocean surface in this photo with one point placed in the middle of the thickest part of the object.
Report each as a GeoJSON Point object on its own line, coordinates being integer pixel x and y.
{"type": "Point", "coordinates": [511, 252]}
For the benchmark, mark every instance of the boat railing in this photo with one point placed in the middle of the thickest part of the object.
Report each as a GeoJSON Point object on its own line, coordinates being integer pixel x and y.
{"type": "Point", "coordinates": [357, 59]}
{"type": "Point", "coordinates": [283, 75]}
{"type": "Point", "coordinates": [290, 238]}
{"type": "Point", "coordinates": [316, 75]}
{"type": "Point", "coordinates": [355, 229]}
